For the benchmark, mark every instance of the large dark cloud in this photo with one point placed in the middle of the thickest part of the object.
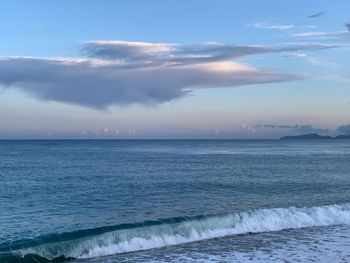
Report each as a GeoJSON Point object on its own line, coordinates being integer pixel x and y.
{"type": "Point", "coordinates": [88, 84]}
{"type": "Point", "coordinates": [116, 72]}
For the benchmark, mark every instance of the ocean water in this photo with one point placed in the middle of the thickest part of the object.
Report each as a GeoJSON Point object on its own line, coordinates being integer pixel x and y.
{"type": "Point", "coordinates": [175, 201]}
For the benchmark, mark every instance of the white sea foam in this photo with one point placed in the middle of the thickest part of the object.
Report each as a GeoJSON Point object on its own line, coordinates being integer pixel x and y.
{"type": "Point", "coordinates": [263, 220]}
{"type": "Point", "coordinates": [322, 245]}
{"type": "Point", "coordinates": [167, 234]}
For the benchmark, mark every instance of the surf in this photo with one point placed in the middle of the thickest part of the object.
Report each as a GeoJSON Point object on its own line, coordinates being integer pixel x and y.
{"type": "Point", "coordinates": [111, 240]}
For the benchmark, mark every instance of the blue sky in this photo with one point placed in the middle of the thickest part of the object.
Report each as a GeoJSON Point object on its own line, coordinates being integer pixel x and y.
{"type": "Point", "coordinates": [173, 69]}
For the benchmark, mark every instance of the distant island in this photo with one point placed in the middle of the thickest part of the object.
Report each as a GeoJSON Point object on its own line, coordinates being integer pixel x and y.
{"type": "Point", "coordinates": [315, 136]}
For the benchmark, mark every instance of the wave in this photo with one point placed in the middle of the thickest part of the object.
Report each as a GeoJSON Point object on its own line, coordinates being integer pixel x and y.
{"type": "Point", "coordinates": [155, 234]}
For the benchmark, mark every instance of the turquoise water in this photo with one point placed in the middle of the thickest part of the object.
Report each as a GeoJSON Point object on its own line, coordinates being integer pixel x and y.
{"type": "Point", "coordinates": [181, 201]}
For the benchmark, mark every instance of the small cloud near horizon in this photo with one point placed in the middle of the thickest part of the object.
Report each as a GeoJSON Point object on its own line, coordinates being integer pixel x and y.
{"type": "Point", "coordinates": [299, 129]}
{"type": "Point", "coordinates": [295, 129]}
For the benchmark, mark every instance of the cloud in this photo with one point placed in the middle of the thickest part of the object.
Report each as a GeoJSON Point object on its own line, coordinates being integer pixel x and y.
{"type": "Point", "coordinates": [273, 126]}
{"type": "Point", "coordinates": [341, 78]}
{"type": "Point", "coordinates": [248, 128]}
{"type": "Point", "coordinates": [294, 129]}
{"type": "Point", "coordinates": [297, 55]}
{"type": "Point", "coordinates": [316, 15]}
{"type": "Point", "coordinates": [320, 62]}
{"type": "Point", "coordinates": [149, 54]}
{"type": "Point", "coordinates": [120, 73]}
{"type": "Point", "coordinates": [319, 34]}
{"type": "Point", "coordinates": [347, 25]}
{"type": "Point", "coordinates": [304, 129]}
{"type": "Point", "coordinates": [98, 86]}
{"type": "Point", "coordinates": [272, 26]}
{"type": "Point", "coordinates": [335, 36]}
{"type": "Point", "coordinates": [313, 60]}
{"type": "Point", "coordinates": [129, 51]}
{"type": "Point", "coordinates": [344, 129]}
{"type": "Point", "coordinates": [309, 26]}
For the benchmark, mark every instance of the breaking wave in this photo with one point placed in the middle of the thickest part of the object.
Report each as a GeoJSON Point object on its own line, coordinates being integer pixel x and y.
{"type": "Point", "coordinates": [155, 234]}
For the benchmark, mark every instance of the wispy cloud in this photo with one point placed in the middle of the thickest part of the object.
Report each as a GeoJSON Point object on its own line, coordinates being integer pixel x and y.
{"type": "Point", "coordinates": [313, 60]}
{"type": "Point", "coordinates": [297, 55]}
{"type": "Point", "coordinates": [294, 129]}
{"type": "Point", "coordinates": [278, 126]}
{"type": "Point", "coordinates": [320, 62]}
{"type": "Point", "coordinates": [335, 36]}
{"type": "Point", "coordinates": [318, 34]}
{"type": "Point", "coordinates": [342, 78]}
{"type": "Point", "coordinates": [309, 26]}
{"type": "Point", "coordinates": [316, 15]}
{"type": "Point", "coordinates": [272, 26]}
{"type": "Point", "coordinates": [134, 55]}
{"type": "Point", "coordinates": [120, 73]}
{"type": "Point", "coordinates": [303, 129]}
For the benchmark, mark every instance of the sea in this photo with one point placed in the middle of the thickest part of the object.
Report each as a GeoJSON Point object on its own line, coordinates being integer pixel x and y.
{"type": "Point", "coordinates": [112, 201]}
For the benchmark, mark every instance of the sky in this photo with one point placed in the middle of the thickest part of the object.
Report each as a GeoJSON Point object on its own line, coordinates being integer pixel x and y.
{"type": "Point", "coordinates": [173, 69]}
